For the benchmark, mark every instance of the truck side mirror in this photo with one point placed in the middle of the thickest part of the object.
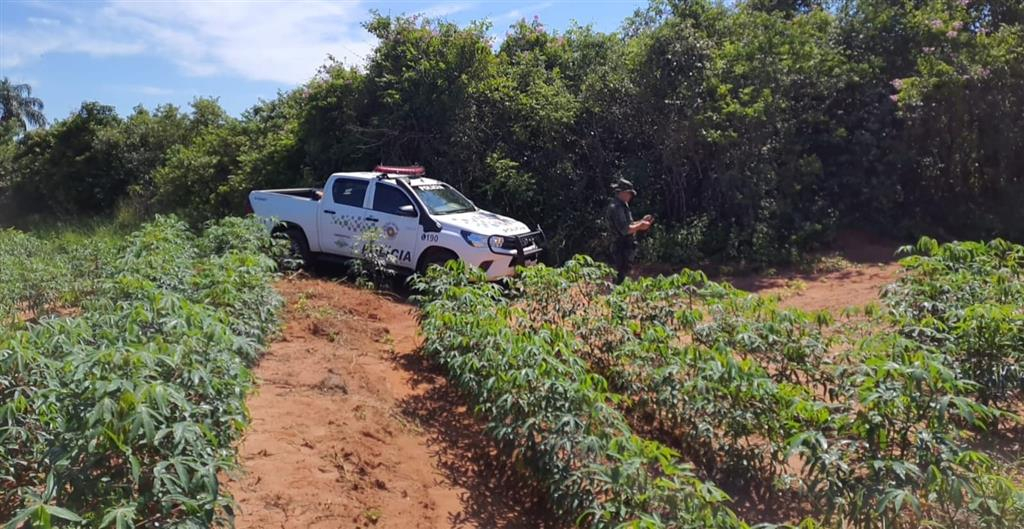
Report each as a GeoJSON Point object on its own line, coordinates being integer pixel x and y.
{"type": "Point", "coordinates": [407, 211]}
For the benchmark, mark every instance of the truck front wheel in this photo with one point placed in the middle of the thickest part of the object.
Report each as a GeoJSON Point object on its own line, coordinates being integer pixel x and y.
{"type": "Point", "coordinates": [435, 256]}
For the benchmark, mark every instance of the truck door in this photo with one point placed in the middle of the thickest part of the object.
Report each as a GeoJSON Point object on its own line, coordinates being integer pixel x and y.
{"type": "Point", "coordinates": [343, 216]}
{"type": "Point", "coordinates": [398, 222]}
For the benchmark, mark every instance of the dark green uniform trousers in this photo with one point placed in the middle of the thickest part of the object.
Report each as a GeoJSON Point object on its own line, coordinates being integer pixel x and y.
{"type": "Point", "coordinates": [623, 252]}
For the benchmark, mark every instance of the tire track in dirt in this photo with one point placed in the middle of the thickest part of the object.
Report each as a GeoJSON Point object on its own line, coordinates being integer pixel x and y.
{"type": "Point", "coordinates": [352, 427]}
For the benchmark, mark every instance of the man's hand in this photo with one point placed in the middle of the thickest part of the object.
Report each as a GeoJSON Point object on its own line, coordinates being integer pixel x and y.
{"type": "Point", "coordinates": [640, 225]}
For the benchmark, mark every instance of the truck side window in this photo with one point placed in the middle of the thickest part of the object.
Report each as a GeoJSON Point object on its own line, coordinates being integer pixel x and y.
{"type": "Point", "coordinates": [349, 192]}
{"type": "Point", "coordinates": [389, 199]}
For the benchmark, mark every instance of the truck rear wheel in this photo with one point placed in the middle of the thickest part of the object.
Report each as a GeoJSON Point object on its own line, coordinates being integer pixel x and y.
{"type": "Point", "coordinates": [298, 246]}
{"type": "Point", "coordinates": [435, 256]}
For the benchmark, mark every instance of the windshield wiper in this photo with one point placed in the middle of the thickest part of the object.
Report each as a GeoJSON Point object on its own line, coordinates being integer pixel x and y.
{"type": "Point", "coordinates": [455, 211]}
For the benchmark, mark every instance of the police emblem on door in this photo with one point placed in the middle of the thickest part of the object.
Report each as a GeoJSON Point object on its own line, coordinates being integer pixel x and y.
{"type": "Point", "coordinates": [390, 230]}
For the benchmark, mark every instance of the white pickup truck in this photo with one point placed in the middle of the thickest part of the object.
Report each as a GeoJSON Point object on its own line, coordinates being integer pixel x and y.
{"type": "Point", "coordinates": [420, 220]}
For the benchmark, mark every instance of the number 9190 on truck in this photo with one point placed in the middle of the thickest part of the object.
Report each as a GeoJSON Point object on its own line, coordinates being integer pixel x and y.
{"type": "Point", "coordinates": [419, 220]}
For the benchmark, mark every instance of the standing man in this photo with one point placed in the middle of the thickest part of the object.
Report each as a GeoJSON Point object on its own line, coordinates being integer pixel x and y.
{"type": "Point", "coordinates": [623, 228]}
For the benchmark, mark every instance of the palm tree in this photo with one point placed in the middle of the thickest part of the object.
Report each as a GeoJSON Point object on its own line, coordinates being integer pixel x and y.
{"type": "Point", "coordinates": [18, 106]}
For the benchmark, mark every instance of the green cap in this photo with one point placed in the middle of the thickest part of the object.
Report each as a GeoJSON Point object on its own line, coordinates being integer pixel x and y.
{"type": "Point", "coordinates": [623, 185]}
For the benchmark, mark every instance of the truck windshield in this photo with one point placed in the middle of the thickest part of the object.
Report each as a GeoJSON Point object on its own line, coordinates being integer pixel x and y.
{"type": "Point", "coordinates": [442, 199]}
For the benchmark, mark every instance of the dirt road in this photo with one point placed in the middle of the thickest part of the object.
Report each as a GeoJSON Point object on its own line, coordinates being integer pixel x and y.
{"type": "Point", "coordinates": [350, 428]}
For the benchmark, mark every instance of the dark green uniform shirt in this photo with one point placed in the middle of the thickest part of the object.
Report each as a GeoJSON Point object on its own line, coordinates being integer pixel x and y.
{"type": "Point", "coordinates": [623, 243]}
{"type": "Point", "coordinates": [619, 219]}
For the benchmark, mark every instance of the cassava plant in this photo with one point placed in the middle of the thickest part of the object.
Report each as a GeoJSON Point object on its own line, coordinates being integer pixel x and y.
{"type": "Point", "coordinates": [122, 414]}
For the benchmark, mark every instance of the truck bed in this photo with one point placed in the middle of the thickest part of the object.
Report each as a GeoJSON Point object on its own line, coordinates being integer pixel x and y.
{"type": "Point", "coordinates": [296, 207]}
{"type": "Point", "coordinates": [310, 193]}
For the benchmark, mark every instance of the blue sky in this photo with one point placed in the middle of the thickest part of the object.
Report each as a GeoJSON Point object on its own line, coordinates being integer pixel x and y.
{"type": "Point", "coordinates": [129, 52]}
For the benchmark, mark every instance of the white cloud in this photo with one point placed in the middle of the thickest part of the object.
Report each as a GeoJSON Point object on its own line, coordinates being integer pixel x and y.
{"type": "Point", "coordinates": [443, 10]}
{"type": "Point", "coordinates": [283, 42]}
{"type": "Point", "coordinates": [21, 45]}
{"type": "Point", "coordinates": [20, 78]}
{"type": "Point", "coordinates": [150, 90]}
{"type": "Point", "coordinates": [143, 89]}
{"type": "Point", "coordinates": [516, 14]}
{"type": "Point", "coordinates": [259, 40]}
{"type": "Point", "coordinates": [43, 21]}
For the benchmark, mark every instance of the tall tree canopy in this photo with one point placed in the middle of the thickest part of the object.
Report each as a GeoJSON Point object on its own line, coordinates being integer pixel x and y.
{"type": "Point", "coordinates": [18, 108]}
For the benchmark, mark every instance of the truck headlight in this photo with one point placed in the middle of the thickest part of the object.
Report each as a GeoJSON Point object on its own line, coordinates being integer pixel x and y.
{"type": "Point", "coordinates": [497, 241]}
{"type": "Point", "coordinates": [474, 239]}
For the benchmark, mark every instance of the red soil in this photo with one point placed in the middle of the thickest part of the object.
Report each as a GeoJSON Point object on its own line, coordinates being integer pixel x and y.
{"type": "Point", "coordinates": [871, 266]}
{"type": "Point", "coordinates": [854, 286]}
{"type": "Point", "coordinates": [352, 428]}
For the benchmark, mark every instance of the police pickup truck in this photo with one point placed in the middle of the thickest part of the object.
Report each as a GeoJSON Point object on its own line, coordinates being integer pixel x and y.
{"type": "Point", "coordinates": [421, 221]}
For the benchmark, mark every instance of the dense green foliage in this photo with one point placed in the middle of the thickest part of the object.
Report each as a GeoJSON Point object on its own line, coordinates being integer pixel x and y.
{"type": "Point", "coordinates": [965, 299]}
{"type": "Point", "coordinates": [753, 129]}
{"type": "Point", "coordinates": [121, 412]}
{"type": "Point", "coordinates": [870, 431]}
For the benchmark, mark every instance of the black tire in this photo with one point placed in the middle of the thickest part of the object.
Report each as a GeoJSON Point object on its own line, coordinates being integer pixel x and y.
{"type": "Point", "coordinates": [435, 256]}
{"type": "Point", "coordinates": [299, 246]}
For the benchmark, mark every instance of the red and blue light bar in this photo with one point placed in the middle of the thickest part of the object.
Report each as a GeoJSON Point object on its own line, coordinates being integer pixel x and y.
{"type": "Point", "coordinates": [408, 170]}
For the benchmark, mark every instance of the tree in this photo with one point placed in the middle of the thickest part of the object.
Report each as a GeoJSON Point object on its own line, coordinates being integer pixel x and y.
{"type": "Point", "coordinates": [198, 179]}
{"type": "Point", "coordinates": [74, 168]}
{"type": "Point", "coordinates": [18, 108]}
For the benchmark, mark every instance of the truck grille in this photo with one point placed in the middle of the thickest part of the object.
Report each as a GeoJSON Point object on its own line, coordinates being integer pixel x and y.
{"type": "Point", "coordinates": [515, 242]}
